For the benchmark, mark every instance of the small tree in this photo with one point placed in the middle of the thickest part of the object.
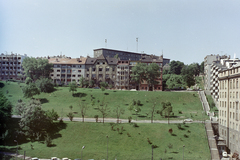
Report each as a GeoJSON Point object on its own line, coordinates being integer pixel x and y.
{"type": "Point", "coordinates": [72, 87]}
{"type": "Point", "coordinates": [83, 110]}
{"type": "Point", "coordinates": [153, 110]}
{"type": "Point", "coordinates": [96, 118]}
{"type": "Point", "coordinates": [103, 109]}
{"type": "Point", "coordinates": [30, 90]}
{"type": "Point", "coordinates": [167, 109]}
{"type": "Point", "coordinates": [70, 116]}
{"type": "Point", "coordinates": [119, 111]}
{"type": "Point", "coordinates": [170, 131]}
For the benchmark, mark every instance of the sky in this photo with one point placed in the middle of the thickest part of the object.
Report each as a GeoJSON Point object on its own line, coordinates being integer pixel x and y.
{"type": "Point", "coordinates": [181, 30]}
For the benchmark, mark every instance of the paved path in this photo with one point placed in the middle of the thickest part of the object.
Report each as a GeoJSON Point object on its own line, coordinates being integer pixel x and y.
{"type": "Point", "coordinates": [209, 130]}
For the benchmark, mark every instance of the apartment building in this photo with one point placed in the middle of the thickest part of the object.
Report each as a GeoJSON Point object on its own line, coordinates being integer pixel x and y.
{"type": "Point", "coordinates": [101, 69]}
{"type": "Point", "coordinates": [67, 69]}
{"type": "Point", "coordinates": [11, 66]}
{"type": "Point", "coordinates": [229, 125]}
{"type": "Point", "coordinates": [123, 74]}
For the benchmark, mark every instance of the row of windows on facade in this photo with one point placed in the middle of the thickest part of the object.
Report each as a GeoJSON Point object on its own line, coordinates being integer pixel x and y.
{"type": "Point", "coordinates": [232, 136]}
{"type": "Point", "coordinates": [233, 84]}
{"type": "Point", "coordinates": [231, 104]}
{"type": "Point", "coordinates": [67, 66]}
{"type": "Point", "coordinates": [10, 73]}
{"type": "Point", "coordinates": [11, 63]}
{"type": "Point", "coordinates": [231, 71]}
{"type": "Point", "coordinates": [231, 125]}
{"type": "Point", "coordinates": [10, 68]}
{"type": "Point", "coordinates": [231, 115]}
{"type": "Point", "coordinates": [231, 95]}
{"type": "Point", "coordinates": [14, 58]}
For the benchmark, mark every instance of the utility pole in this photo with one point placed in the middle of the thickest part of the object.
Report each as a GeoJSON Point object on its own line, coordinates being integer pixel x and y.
{"type": "Point", "coordinates": [137, 43]}
{"type": "Point", "coordinates": [105, 43]}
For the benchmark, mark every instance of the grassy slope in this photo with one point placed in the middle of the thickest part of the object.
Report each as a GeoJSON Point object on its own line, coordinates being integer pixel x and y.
{"type": "Point", "coordinates": [93, 137]}
{"type": "Point", "coordinates": [61, 99]}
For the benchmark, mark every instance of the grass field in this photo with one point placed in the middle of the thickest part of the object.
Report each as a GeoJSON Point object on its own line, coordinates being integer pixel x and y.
{"type": "Point", "coordinates": [61, 99]}
{"type": "Point", "coordinates": [69, 142]}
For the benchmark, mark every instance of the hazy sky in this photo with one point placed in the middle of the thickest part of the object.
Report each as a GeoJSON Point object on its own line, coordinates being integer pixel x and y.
{"type": "Point", "coordinates": [186, 30]}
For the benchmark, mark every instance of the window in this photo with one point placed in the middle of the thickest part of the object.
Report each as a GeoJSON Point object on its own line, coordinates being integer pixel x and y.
{"type": "Point", "coordinates": [58, 70]}
{"type": "Point", "coordinates": [100, 69]}
{"type": "Point", "coordinates": [79, 71]}
{"type": "Point", "coordinates": [94, 69]}
{"type": "Point", "coordinates": [107, 69]}
{"type": "Point", "coordinates": [87, 69]}
{"type": "Point", "coordinates": [79, 75]}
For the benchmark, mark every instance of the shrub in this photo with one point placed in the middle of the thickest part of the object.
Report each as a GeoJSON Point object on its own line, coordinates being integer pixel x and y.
{"type": "Point", "coordinates": [186, 136]}
{"type": "Point", "coordinates": [180, 112]}
{"type": "Point", "coordinates": [179, 126]}
{"type": "Point", "coordinates": [128, 135]}
{"type": "Point", "coordinates": [135, 125]}
{"type": "Point", "coordinates": [70, 116]}
{"type": "Point", "coordinates": [129, 119]}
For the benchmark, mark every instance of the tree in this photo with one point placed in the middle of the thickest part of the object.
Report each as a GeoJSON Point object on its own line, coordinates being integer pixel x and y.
{"type": "Point", "coordinates": [139, 73]}
{"type": "Point", "coordinates": [103, 84]}
{"type": "Point", "coordinates": [175, 82]}
{"type": "Point", "coordinates": [72, 87]}
{"type": "Point", "coordinates": [176, 67]}
{"type": "Point", "coordinates": [153, 110]}
{"type": "Point", "coordinates": [52, 114]}
{"type": "Point", "coordinates": [36, 68]}
{"type": "Point", "coordinates": [91, 83]}
{"type": "Point", "coordinates": [167, 109]}
{"type": "Point", "coordinates": [135, 106]}
{"type": "Point", "coordinates": [30, 90]}
{"type": "Point", "coordinates": [34, 121]}
{"type": "Point", "coordinates": [152, 74]}
{"type": "Point", "coordinates": [103, 109]}
{"type": "Point", "coordinates": [83, 110]}
{"type": "Point", "coordinates": [116, 56]}
{"type": "Point", "coordinates": [45, 85]}
{"type": "Point", "coordinates": [119, 111]}
{"type": "Point", "coordinates": [5, 113]}
{"type": "Point", "coordinates": [81, 81]}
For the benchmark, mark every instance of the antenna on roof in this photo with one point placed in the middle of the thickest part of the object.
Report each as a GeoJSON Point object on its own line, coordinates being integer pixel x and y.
{"type": "Point", "coordinates": [105, 43]}
{"type": "Point", "coordinates": [137, 43]}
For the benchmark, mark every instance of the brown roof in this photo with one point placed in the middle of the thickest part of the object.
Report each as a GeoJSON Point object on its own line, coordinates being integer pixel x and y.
{"type": "Point", "coordinates": [58, 60]}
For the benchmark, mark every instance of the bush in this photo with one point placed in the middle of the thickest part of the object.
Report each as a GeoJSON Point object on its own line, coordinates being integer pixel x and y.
{"type": "Point", "coordinates": [70, 116]}
{"type": "Point", "coordinates": [129, 119]}
{"type": "Point", "coordinates": [48, 140]}
{"type": "Point", "coordinates": [135, 125]}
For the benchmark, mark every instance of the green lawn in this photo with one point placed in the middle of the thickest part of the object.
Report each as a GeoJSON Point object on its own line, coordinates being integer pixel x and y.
{"type": "Point", "coordinates": [61, 99]}
{"type": "Point", "coordinates": [69, 141]}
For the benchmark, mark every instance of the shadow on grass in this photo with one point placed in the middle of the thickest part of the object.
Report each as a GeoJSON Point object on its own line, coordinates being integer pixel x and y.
{"type": "Point", "coordinates": [174, 135]}
{"type": "Point", "coordinates": [79, 94]}
{"type": "Point", "coordinates": [142, 116]}
{"type": "Point", "coordinates": [2, 85]}
{"type": "Point", "coordinates": [106, 93]}
{"type": "Point", "coordinates": [175, 152]}
{"type": "Point", "coordinates": [43, 100]}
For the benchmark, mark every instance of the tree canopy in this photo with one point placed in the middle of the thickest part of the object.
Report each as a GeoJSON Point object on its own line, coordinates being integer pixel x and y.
{"type": "Point", "coordinates": [5, 113]}
{"type": "Point", "coordinates": [36, 68]}
{"type": "Point", "coordinates": [30, 90]}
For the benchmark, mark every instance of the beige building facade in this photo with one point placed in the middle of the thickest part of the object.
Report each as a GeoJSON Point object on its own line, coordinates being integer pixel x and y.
{"type": "Point", "coordinates": [229, 125]}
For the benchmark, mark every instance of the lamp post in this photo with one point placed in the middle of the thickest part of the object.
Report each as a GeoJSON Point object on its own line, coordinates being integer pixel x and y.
{"type": "Point", "coordinates": [82, 151]}
{"type": "Point", "coordinates": [107, 147]}
{"type": "Point", "coordinates": [17, 147]}
{"type": "Point", "coordinates": [183, 151]}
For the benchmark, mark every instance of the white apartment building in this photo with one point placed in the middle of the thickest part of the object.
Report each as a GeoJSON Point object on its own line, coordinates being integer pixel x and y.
{"type": "Point", "coordinates": [67, 69]}
{"type": "Point", "coordinates": [229, 125]}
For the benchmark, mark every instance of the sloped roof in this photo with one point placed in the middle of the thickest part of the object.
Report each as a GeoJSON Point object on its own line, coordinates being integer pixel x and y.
{"type": "Point", "coordinates": [151, 59]}
{"type": "Point", "coordinates": [91, 60]}
{"type": "Point", "coordinates": [112, 60]}
{"type": "Point", "coordinates": [58, 60]}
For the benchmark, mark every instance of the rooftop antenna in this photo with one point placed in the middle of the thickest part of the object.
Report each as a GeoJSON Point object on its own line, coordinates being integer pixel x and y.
{"type": "Point", "coordinates": [105, 43]}
{"type": "Point", "coordinates": [137, 43]}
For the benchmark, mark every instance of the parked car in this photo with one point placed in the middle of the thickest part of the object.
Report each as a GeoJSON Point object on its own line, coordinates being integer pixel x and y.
{"type": "Point", "coordinates": [96, 88]}
{"type": "Point", "coordinates": [65, 159]}
{"type": "Point", "coordinates": [224, 154]}
{"type": "Point", "coordinates": [187, 120]}
{"type": "Point", "coordinates": [35, 158]}
{"type": "Point", "coordinates": [55, 158]}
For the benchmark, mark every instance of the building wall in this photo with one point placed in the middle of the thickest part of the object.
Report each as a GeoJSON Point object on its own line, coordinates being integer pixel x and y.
{"type": "Point", "coordinates": [229, 126]}
{"type": "Point", "coordinates": [101, 71]}
{"type": "Point", "coordinates": [11, 66]}
{"type": "Point", "coordinates": [122, 79]}
{"type": "Point", "coordinates": [208, 60]}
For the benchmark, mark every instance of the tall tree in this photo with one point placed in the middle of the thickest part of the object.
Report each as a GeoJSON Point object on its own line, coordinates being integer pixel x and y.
{"type": "Point", "coordinates": [36, 68]}
{"type": "Point", "coordinates": [45, 85]}
{"type": "Point", "coordinates": [175, 82]}
{"type": "Point", "coordinates": [202, 67]}
{"type": "Point", "coordinates": [176, 67]}
{"type": "Point", "coordinates": [34, 121]}
{"type": "Point", "coordinates": [152, 74]}
{"type": "Point", "coordinates": [139, 73]}
{"type": "Point", "coordinates": [5, 113]}
{"type": "Point", "coordinates": [153, 109]}
{"type": "Point", "coordinates": [30, 90]}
